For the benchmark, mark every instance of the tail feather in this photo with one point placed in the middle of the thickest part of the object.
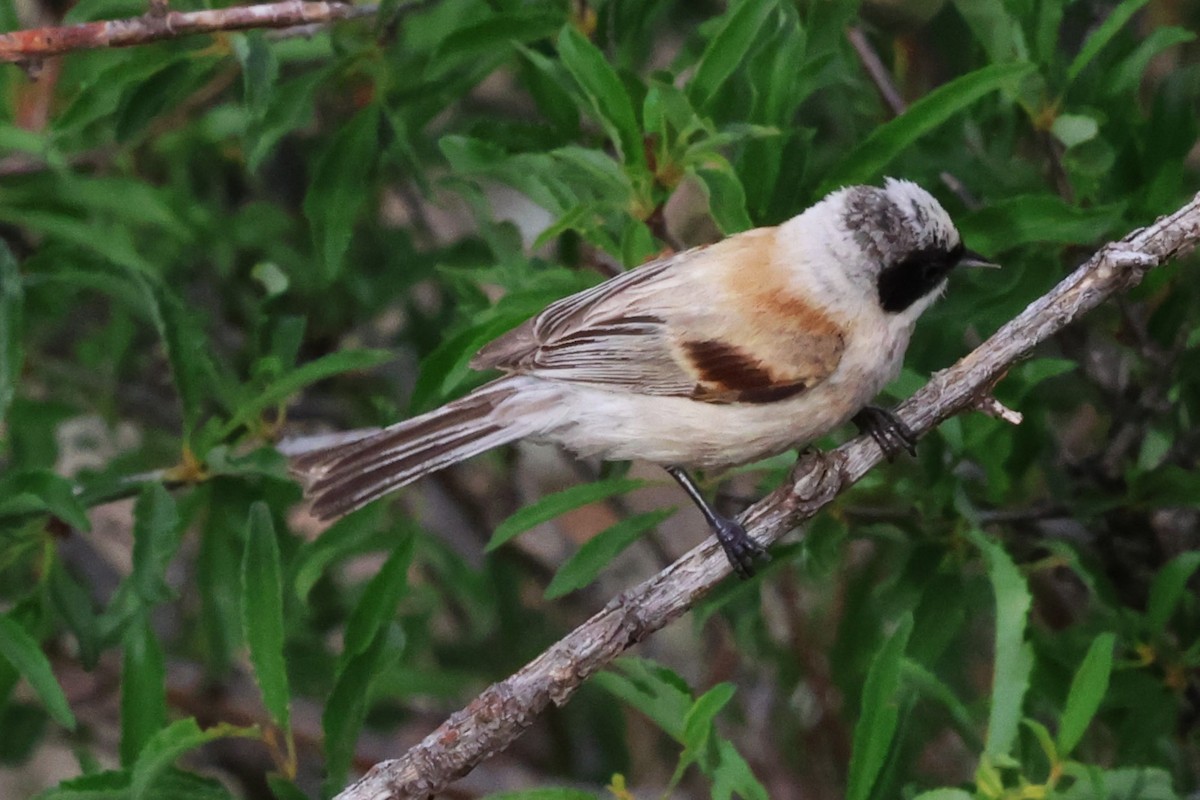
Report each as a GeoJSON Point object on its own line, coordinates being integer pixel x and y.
{"type": "Point", "coordinates": [346, 477]}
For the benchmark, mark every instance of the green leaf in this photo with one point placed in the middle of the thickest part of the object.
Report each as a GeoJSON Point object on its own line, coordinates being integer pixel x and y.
{"type": "Point", "coordinates": [606, 94]}
{"type": "Point", "coordinates": [262, 613]}
{"type": "Point", "coordinates": [598, 552]}
{"type": "Point", "coordinates": [260, 69]}
{"type": "Point", "coordinates": [107, 785]}
{"type": "Point", "coordinates": [377, 606]}
{"type": "Point", "coordinates": [1102, 35]}
{"type": "Point", "coordinates": [116, 246]}
{"type": "Point", "coordinates": [290, 106]}
{"type": "Point", "coordinates": [996, 29]}
{"type": "Point", "coordinates": [12, 303]}
{"type": "Point", "coordinates": [42, 491]}
{"type": "Point", "coordinates": [188, 352]}
{"type": "Point", "coordinates": [288, 384]}
{"type": "Point", "coordinates": [652, 689]}
{"type": "Point", "coordinates": [169, 744]}
{"type": "Point", "coordinates": [892, 138]}
{"type": "Point", "coordinates": [345, 711]}
{"type": "Point", "coordinates": [1127, 783]}
{"type": "Point", "coordinates": [1128, 76]}
{"type": "Point", "coordinates": [284, 789]}
{"type": "Point", "coordinates": [553, 505]}
{"type": "Point", "coordinates": [726, 51]}
{"type": "Point", "coordinates": [1168, 588]}
{"type": "Point", "coordinates": [726, 198]}
{"type": "Point", "coordinates": [698, 724]}
{"type": "Point", "coordinates": [340, 185]}
{"type": "Point", "coordinates": [733, 777]}
{"type": "Point", "coordinates": [352, 534]}
{"type": "Point", "coordinates": [1034, 219]}
{"type": "Point", "coordinates": [1013, 655]}
{"type": "Point", "coordinates": [880, 713]}
{"type": "Point", "coordinates": [143, 689]}
{"type": "Point", "coordinates": [156, 537]}
{"type": "Point", "coordinates": [22, 651]}
{"type": "Point", "coordinates": [489, 38]}
{"type": "Point", "coordinates": [74, 605]}
{"type": "Point", "coordinates": [1088, 688]}
{"type": "Point", "coordinates": [544, 794]}
{"type": "Point", "coordinates": [945, 794]}
{"type": "Point", "coordinates": [1073, 129]}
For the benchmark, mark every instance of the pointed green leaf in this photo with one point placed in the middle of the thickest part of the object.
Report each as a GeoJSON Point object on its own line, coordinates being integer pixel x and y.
{"type": "Point", "coordinates": [552, 793]}
{"type": "Point", "coordinates": [1088, 688]}
{"type": "Point", "coordinates": [377, 606]}
{"type": "Point", "coordinates": [340, 185]}
{"type": "Point", "coordinates": [654, 690]}
{"type": "Point", "coordinates": [726, 51]}
{"type": "Point", "coordinates": [143, 689]}
{"type": "Point", "coordinates": [42, 491]}
{"type": "Point", "coordinates": [12, 301]}
{"type": "Point", "coordinates": [188, 352]}
{"type": "Point", "coordinates": [169, 744]}
{"type": "Point", "coordinates": [1102, 35]}
{"type": "Point", "coordinates": [262, 613]}
{"type": "Point", "coordinates": [1128, 76]}
{"type": "Point", "coordinates": [26, 656]}
{"type": "Point", "coordinates": [733, 777]}
{"type": "Point", "coordinates": [880, 713]}
{"type": "Point", "coordinates": [1013, 655]}
{"type": "Point", "coordinates": [107, 785]}
{"type": "Point", "coordinates": [156, 537]}
{"type": "Point", "coordinates": [352, 534]}
{"type": "Point", "coordinates": [283, 387]}
{"type": "Point", "coordinates": [609, 101]}
{"type": "Point", "coordinates": [726, 198]}
{"type": "Point", "coordinates": [996, 28]}
{"type": "Point", "coordinates": [598, 552]}
{"type": "Point", "coordinates": [1168, 588]}
{"type": "Point", "coordinates": [892, 138]}
{"type": "Point", "coordinates": [74, 604]}
{"type": "Point", "coordinates": [553, 505]}
{"type": "Point", "coordinates": [1035, 218]}
{"type": "Point", "coordinates": [698, 724]}
{"type": "Point", "coordinates": [345, 711]}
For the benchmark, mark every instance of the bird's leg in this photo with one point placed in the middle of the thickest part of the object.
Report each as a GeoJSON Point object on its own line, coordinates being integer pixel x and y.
{"type": "Point", "coordinates": [740, 549]}
{"type": "Point", "coordinates": [888, 431]}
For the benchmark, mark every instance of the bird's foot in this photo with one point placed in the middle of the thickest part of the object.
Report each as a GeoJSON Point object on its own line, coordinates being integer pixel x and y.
{"type": "Point", "coordinates": [888, 431]}
{"type": "Point", "coordinates": [740, 549]}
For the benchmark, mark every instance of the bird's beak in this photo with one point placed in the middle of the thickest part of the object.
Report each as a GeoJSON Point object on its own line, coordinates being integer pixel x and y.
{"type": "Point", "coordinates": [972, 259]}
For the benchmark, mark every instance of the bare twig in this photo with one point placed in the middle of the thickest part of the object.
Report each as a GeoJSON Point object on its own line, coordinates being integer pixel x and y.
{"type": "Point", "coordinates": [882, 78]}
{"type": "Point", "coordinates": [498, 715]}
{"type": "Point", "coordinates": [38, 43]}
{"type": "Point", "coordinates": [876, 70]}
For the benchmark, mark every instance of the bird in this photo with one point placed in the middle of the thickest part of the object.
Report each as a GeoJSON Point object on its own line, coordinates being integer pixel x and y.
{"type": "Point", "coordinates": [713, 357]}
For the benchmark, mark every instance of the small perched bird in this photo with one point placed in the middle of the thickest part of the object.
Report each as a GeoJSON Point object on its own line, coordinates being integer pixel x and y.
{"type": "Point", "coordinates": [713, 357]}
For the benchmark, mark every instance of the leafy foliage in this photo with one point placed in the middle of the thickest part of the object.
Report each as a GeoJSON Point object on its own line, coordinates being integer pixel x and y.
{"type": "Point", "coordinates": [209, 244]}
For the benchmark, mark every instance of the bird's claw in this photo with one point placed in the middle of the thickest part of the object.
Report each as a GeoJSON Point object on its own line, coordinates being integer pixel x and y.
{"type": "Point", "coordinates": [741, 550]}
{"type": "Point", "coordinates": [888, 431]}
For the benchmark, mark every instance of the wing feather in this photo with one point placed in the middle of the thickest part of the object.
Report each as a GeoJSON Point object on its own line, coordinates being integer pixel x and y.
{"type": "Point", "coordinates": [651, 331]}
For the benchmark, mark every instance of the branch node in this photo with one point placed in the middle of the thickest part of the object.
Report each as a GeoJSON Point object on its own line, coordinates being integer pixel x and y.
{"type": "Point", "coordinates": [988, 404]}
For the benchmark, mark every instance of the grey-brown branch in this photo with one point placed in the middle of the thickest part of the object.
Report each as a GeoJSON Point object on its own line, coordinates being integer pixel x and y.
{"type": "Point", "coordinates": [497, 716]}
{"type": "Point", "coordinates": [38, 43]}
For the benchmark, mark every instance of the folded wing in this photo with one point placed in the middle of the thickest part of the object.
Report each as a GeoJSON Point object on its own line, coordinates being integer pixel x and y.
{"type": "Point", "coordinates": [707, 324]}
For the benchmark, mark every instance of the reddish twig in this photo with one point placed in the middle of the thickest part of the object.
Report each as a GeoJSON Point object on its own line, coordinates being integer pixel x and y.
{"type": "Point", "coordinates": [38, 43]}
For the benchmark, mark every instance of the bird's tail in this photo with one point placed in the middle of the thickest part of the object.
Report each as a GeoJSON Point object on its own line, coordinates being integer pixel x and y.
{"type": "Point", "coordinates": [346, 477]}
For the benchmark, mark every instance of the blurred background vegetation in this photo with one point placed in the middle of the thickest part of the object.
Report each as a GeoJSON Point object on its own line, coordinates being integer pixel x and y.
{"type": "Point", "coordinates": [214, 242]}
